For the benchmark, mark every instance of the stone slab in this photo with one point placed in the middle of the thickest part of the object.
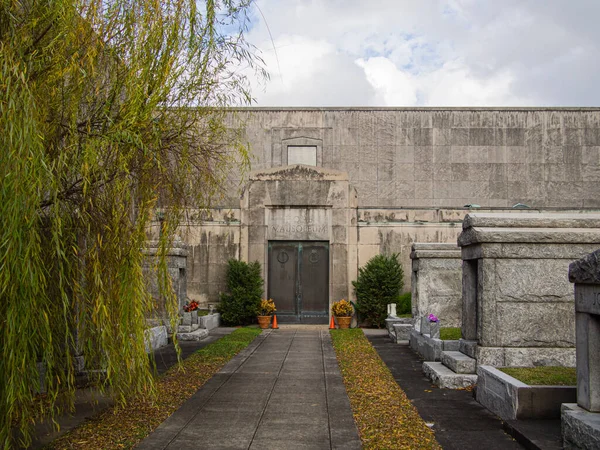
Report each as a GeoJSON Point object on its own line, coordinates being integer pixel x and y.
{"type": "Point", "coordinates": [459, 362]}
{"type": "Point", "coordinates": [531, 220]}
{"type": "Point", "coordinates": [197, 335]}
{"type": "Point", "coordinates": [445, 378]}
{"type": "Point", "coordinates": [580, 428]}
{"type": "Point", "coordinates": [392, 320]}
{"type": "Point", "coordinates": [401, 332]}
{"type": "Point", "coordinates": [156, 337]}
{"type": "Point", "coordinates": [210, 322]}
{"type": "Point", "coordinates": [467, 347]}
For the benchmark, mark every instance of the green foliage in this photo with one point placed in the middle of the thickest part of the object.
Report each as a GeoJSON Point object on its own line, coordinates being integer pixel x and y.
{"type": "Point", "coordinates": [379, 283]}
{"type": "Point", "coordinates": [450, 333]}
{"type": "Point", "coordinates": [107, 112]}
{"type": "Point", "coordinates": [543, 376]}
{"type": "Point", "coordinates": [404, 304]}
{"type": "Point", "coordinates": [240, 305]}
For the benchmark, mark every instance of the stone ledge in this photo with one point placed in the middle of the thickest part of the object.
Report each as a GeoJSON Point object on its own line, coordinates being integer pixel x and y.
{"type": "Point", "coordinates": [525, 356]}
{"type": "Point", "coordinates": [580, 428]}
{"type": "Point", "coordinates": [430, 349]}
{"type": "Point", "coordinates": [197, 335]}
{"type": "Point", "coordinates": [443, 377]}
{"type": "Point", "coordinates": [531, 220]}
{"type": "Point", "coordinates": [459, 362]}
{"type": "Point", "coordinates": [512, 399]}
{"type": "Point", "coordinates": [210, 321]}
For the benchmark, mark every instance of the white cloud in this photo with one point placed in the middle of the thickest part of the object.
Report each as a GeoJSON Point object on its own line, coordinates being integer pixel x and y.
{"type": "Point", "coordinates": [395, 87]}
{"type": "Point", "coordinates": [430, 52]}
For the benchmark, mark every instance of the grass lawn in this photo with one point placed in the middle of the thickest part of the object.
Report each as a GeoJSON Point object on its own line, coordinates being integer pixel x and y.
{"type": "Point", "coordinates": [543, 376]}
{"type": "Point", "coordinates": [385, 417]}
{"type": "Point", "coordinates": [450, 334]}
{"type": "Point", "coordinates": [405, 316]}
{"type": "Point", "coordinates": [119, 428]}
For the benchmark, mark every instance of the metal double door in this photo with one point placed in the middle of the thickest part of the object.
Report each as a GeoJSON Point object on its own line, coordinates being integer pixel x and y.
{"type": "Point", "coordinates": [298, 280]}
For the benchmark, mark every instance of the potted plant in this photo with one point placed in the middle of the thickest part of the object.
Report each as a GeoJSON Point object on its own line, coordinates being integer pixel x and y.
{"type": "Point", "coordinates": [342, 311]}
{"type": "Point", "coordinates": [265, 309]}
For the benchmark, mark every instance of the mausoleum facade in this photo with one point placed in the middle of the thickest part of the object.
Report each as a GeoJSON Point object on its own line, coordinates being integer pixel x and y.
{"type": "Point", "coordinates": [332, 187]}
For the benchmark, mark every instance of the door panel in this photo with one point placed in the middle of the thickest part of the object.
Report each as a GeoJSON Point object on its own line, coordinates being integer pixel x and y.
{"type": "Point", "coordinates": [283, 257]}
{"type": "Point", "coordinates": [314, 276]}
{"type": "Point", "coordinates": [299, 280]}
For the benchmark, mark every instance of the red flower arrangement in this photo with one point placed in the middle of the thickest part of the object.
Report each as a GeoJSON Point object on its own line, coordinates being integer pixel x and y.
{"type": "Point", "coordinates": [191, 306]}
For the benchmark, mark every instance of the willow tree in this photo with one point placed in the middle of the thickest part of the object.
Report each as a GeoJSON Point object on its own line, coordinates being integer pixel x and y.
{"type": "Point", "coordinates": [109, 110]}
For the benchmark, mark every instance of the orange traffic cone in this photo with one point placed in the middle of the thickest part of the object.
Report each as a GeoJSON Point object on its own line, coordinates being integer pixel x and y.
{"type": "Point", "coordinates": [331, 324]}
{"type": "Point", "coordinates": [275, 327]}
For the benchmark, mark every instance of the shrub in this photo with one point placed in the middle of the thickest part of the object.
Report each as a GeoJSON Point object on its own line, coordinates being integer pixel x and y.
{"type": "Point", "coordinates": [245, 288]}
{"type": "Point", "coordinates": [379, 283]}
{"type": "Point", "coordinates": [404, 304]}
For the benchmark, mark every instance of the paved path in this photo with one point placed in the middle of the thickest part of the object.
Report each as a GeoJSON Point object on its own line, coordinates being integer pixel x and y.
{"type": "Point", "coordinates": [459, 422]}
{"type": "Point", "coordinates": [284, 391]}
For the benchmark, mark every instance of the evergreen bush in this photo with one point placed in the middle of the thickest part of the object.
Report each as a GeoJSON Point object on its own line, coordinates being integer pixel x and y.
{"type": "Point", "coordinates": [239, 306]}
{"type": "Point", "coordinates": [379, 283]}
{"type": "Point", "coordinates": [404, 304]}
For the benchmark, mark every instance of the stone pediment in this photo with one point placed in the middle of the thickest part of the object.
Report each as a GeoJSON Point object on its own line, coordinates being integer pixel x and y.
{"type": "Point", "coordinates": [586, 270]}
{"type": "Point", "coordinates": [298, 172]}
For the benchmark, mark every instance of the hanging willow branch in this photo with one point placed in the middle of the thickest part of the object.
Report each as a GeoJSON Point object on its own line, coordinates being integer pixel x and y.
{"type": "Point", "coordinates": [108, 110]}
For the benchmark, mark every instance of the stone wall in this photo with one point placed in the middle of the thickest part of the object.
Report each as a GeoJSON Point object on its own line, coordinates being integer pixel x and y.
{"type": "Point", "coordinates": [213, 238]}
{"type": "Point", "coordinates": [432, 157]}
{"type": "Point", "coordinates": [412, 171]}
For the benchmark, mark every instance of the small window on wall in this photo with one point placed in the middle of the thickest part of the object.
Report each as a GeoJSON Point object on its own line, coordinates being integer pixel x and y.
{"type": "Point", "coordinates": [302, 155]}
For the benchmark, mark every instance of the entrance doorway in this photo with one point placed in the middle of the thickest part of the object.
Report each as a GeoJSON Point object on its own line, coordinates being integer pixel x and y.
{"type": "Point", "coordinates": [299, 280]}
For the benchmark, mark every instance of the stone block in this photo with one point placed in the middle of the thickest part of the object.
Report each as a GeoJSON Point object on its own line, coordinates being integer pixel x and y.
{"type": "Point", "coordinates": [402, 331]}
{"type": "Point", "coordinates": [155, 338]}
{"type": "Point", "coordinates": [469, 348]}
{"type": "Point", "coordinates": [458, 362]}
{"type": "Point", "coordinates": [580, 428]}
{"type": "Point", "coordinates": [443, 377]}
{"type": "Point", "coordinates": [197, 335]}
{"type": "Point", "coordinates": [186, 319]}
{"type": "Point", "coordinates": [210, 322]}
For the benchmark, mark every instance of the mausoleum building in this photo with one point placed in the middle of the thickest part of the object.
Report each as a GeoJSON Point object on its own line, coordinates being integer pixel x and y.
{"type": "Point", "coordinates": [332, 187]}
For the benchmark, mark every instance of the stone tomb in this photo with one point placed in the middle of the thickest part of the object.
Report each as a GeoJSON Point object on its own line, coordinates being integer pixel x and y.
{"type": "Point", "coordinates": [517, 301]}
{"type": "Point", "coordinates": [581, 421]}
{"type": "Point", "coordinates": [436, 282]}
{"type": "Point", "coordinates": [176, 266]}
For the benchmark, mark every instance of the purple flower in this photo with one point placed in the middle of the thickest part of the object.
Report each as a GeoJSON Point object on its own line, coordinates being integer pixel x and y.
{"type": "Point", "coordinates": [433, 318]}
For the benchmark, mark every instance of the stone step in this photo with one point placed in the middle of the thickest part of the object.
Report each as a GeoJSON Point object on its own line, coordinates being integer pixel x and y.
{"type": "Point", "coordinates": [197, 335]}
{"type": "Point", "coordinates": [443, 377]}
{"type": "Point", "coordinates": [468, 347]}
{"type": "Point", "coordinates": [459, 362]}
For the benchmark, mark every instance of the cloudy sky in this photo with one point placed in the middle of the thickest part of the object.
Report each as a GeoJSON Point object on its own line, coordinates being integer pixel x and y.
{"type": "Point", "coordinates": [428, 52]}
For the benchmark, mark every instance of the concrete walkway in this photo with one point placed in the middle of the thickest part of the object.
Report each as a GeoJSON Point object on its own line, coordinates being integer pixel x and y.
{"type": "Point", "coordinates": [459, 422]}
{"type": "Point", "coordinates": [284, 391]}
